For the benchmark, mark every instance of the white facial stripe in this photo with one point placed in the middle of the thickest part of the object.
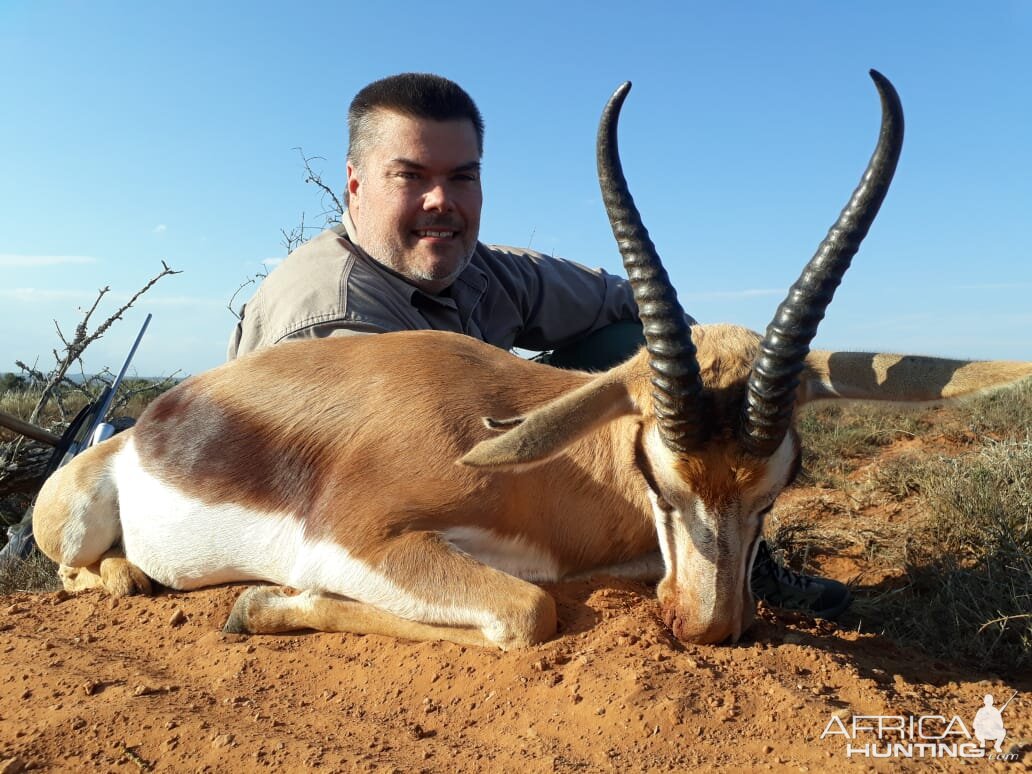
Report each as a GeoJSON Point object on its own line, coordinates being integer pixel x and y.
{"type": "Point", "coordinates": [662, 518]}
{"type": "Point", "coordinates": [688, 569]}
{"type": "Point", "coordinates": [512, 555]}
{"type": "Point", "coordinates": [694, 540]}
{"type": "Point", "coordinates": [185, 543]}
{"type": "Point", "coordinates": [749, 557]}
{"type": "Point", "coordinates": [775, 477]}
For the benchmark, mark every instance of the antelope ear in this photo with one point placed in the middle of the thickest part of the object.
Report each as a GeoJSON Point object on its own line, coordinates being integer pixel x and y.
{"type": "Point", "coordinates": [902, 378]}
{"type": "Point", "coordinates": [549, 429]}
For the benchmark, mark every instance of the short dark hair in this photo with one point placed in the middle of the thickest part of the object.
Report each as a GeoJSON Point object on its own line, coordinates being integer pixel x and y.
{"type": "Point", "coordinates": [418, 95]}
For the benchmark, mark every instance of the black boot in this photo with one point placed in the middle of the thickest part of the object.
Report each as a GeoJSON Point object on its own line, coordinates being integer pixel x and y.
{"type": "Point", "coordinates": [780, 587]}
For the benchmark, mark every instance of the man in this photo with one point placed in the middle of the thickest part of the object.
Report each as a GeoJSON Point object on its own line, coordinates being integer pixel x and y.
{"type": "Point", "coordinates": [989, 724]}
{"type": "Point", "coordinates": [406, 256]}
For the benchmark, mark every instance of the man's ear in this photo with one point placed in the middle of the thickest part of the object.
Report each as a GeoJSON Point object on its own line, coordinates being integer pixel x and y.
{"type": "Point", "coordinates": [352, 179]}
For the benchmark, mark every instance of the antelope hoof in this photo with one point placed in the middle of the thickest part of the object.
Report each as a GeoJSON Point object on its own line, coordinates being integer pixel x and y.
{"type": "Point", "coordinates": [530, 624]}
{"type": "Point", "coordinates": [122, 578]}
{"type": "Point", "coordinates": [247, 604]}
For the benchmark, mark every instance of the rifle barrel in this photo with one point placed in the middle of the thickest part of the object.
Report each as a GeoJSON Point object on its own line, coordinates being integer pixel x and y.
{"type": "Point", "coordinates": [1008, 701]}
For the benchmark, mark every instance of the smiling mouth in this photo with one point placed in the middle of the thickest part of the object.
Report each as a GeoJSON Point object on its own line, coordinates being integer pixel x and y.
{"type": "Point", "coordinates": [428, 233]}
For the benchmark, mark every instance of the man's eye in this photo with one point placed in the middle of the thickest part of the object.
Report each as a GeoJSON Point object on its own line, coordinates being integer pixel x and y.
{"type": "Point", "coordinates": [406, 175]}
{"type": "Point", "coordinates": [466, 178]}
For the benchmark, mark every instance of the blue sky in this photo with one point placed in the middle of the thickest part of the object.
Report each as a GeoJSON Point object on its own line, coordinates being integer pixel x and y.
{"type": "Point", "coordinates": [139, 132]}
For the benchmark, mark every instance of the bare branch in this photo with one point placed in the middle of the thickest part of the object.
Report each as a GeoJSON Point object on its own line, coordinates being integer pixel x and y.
{"type": "Point", "coordinates": [34, 373]}
{"type": "Point", "coordinates": [295, 237]}
{"type": "Point", "coordinates": [73, 349]}
{"type": "Point", "coordinates": [311, 176]}
{"type": "Point", "coordinates": [1006, 619]}
{"type": "Point", "coordinates": [250, 281]}
{"type": "Point", "coordinates": [298, 235]}
{"type": "Point", "coordinates": [80, 329]}
{"type": "Point", "coordinates": [103, 327]}
{"type": "Point", "coordinates": [132, 389]}
{"type": "Point", "coordinates": [60, 334]}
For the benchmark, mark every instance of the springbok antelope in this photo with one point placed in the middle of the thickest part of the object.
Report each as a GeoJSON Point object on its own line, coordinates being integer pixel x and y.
{"type": "Point", "coordinates": [417, 484]}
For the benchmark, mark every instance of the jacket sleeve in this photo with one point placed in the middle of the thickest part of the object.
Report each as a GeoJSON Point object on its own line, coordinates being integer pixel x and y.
{"type": "Point", "coordinates": [562, 301]}
{"type": "Point", "coordinates": [559, 301]}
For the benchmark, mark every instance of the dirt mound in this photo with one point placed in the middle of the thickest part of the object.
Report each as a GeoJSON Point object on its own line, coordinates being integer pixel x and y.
{"type": "Point", "coordinates": [93, 684]}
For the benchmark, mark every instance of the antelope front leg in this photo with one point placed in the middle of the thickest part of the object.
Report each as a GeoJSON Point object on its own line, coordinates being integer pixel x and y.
{"type": "Point", "coordinates": [113, 572]}
{"type": "Point", "coordinates": [419, 587]}
{"type": "Point", "coordinates": [270, 609]}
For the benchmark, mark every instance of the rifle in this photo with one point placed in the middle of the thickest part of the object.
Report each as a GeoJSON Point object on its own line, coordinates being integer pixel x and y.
{"type": "Point", "coordinates": [87, 429]}
{"type": "Point", "coordinates": [1008, 702]}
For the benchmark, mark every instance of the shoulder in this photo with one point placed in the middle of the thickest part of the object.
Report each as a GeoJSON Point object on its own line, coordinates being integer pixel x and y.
{"type": "Point", "coordinates": [525, 258]}
{"type": "Point", "coordinates": [526, 266]}
{"type": "Point", "coordinates": [325, 285]}
{"type": "Point", "coordinates": [503, 262]}
{"type": "Point", "coordinates": [307, 283]}
{"type": "Point", "coordinates": [508, 253]}
{"type": "Point", "coordinates": [308, 288]}
{"type": "Point", "coordinates": [311, 264]}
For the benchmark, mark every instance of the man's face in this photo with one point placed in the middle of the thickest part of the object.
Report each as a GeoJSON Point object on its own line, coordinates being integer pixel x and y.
{"type": "Point", "coordinates": [415, 197]}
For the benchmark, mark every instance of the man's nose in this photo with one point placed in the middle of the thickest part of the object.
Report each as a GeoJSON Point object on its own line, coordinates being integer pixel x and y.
{"type": "Point", "coordinates": [437, 198]}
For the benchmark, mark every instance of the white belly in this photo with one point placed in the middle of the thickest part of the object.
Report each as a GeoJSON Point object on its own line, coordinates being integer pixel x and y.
{"type": "Point", "coordinates": [184, 543]}
{"type": "Point", "coordinates": [510, 555]}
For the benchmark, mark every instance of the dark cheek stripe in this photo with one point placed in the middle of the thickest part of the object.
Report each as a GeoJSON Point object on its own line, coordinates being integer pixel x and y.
{"type": "Point", "coordinates": [641, 460]}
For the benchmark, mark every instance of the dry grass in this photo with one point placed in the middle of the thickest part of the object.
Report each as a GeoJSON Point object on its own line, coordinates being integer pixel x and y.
{"type": "Point", "coordinates": [961, 549]}
{"type": "Point", "coordinates": [1003, 414]}
{"type": "Point", "coordinates": [841, 437]}
{"type": "Point", "coordinates": [971, 580]}
{"type": "Point", "coordinates": [132, 399]}
{"type": "Point", "coordinates": [34, 573]}
{"type": "Point", "coordinates": [901, 477]}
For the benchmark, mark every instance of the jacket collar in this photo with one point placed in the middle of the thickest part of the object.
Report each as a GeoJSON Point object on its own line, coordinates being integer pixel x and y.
{"type": "Point", "coordinates": [467, 290]}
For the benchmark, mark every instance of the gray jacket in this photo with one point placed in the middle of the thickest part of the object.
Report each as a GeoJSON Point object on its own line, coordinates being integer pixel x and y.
{"type": "Point", "coordinates": [507, 297]}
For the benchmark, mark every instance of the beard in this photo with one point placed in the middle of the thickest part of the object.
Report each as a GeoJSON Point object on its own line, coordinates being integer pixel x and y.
{"type": "Point", "coordinates": [421, 262]}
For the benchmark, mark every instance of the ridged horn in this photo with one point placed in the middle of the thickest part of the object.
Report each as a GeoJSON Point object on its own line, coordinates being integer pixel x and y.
{"type": "Point", "coordinates": [676, 385]}
{"type": "Point", "coordinates": [774, 379]}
